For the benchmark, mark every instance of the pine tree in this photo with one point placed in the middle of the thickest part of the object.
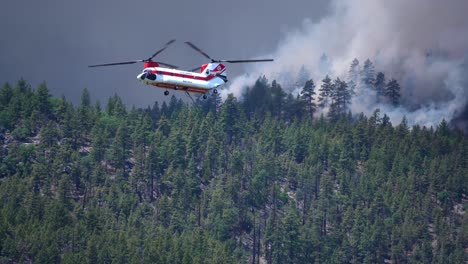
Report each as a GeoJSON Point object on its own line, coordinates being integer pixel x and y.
{"type": "Point", "coordinates": [115, 107]}
{"type": "Point", "coordinates": [325, 91]}
{"type": "Point", "coordinates": [97, 107]}
{"type": "Point", "coordinates": [6, 94]}
{"type": "Point", "coordinates": [368, 74]}
{"type": "Point", "coordinates": [49, 135]}
{"type": "Point", "coordinates": [379, 85]}
{"type": "Point", "coordinates": [64, 191]}
{"type": "Point", "coordinates": [120, 148]}
{"type": "Point", "coordinates": [85, 112]}
{"type": "Point", "coordinates": [307, 97]}
{"type": "Point", "coordinates": [85, 98]}
{"type": "Point", "coordinates": [291, 242]}
{"type": "Point", "coordinates": [392, 92]}
{"type": "Point", "coordinates": [230, 116]}
{"type": "Point", "coordinates": [99, 143]}
{"type": "Point", "coordinates": [341, 98]}
{"type": "Point", "coordinates": [41, 100]}
{"type": "Point", "coordinates": [258, 99]}
{"type": "Point", "coordinates": [155, 112]}
{"type": "Point", "coordinates": [277, 99]}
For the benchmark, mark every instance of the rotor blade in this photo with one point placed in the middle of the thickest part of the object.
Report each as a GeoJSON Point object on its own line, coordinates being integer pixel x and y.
{"type": "Point", "coordinates": [244, 61]}
{"type": "Point", "coordinates": [167, 65]}
{"type": "Point", "coordinates": [161, 50]}
{"type": "Point", "coordinates": [197, 49]}
{"type": "Point", "coordinates": [115, 63]}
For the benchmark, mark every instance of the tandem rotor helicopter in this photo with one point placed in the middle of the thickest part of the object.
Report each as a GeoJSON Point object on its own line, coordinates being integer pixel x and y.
{"type": "Point", "coordinates": [210, 76]}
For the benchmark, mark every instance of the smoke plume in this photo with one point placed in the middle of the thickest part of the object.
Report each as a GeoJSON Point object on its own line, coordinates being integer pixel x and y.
{"type": "Point", "coordinates": [423, 44]}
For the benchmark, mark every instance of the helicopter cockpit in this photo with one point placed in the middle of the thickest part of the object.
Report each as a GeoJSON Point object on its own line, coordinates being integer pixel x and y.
{"type": "Point", "coordinates": [147, 74]}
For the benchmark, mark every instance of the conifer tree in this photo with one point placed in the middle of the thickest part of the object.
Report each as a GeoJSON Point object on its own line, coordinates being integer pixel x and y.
{"type": "Point", "coordinates": [307, 97]}
{"type": "Point", "coordinates": [291, 242]}
{"type": "Point", "coordinates": [6, 94]}
{"type": "Point", "coordinates": [277, 99]}
{"type": "Point", "coordinates": [49, 135]}
{"type": "Point", "coordinates": [41, 100]}
{"type": "Point", "coordinates": [392, 92]}
{"type": "Point", "coordinates": [120, 148]}
{"type": "Point", "coordinates": [229, 116]}
{"type": "Point", "coordinates": [340, 97]}
{"type": "Point", "coordinates": [368, 74]}
{"type": "Point", "coordinates": [325, 91]}
{"type": "Point", "coordinates": [379, 85]}
{"type": "Point", "coordinates": [85, 98]}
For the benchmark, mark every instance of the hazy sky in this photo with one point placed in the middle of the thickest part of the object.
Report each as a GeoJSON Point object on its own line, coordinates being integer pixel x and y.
{"type": "Point", "coordinates": [55, 40]}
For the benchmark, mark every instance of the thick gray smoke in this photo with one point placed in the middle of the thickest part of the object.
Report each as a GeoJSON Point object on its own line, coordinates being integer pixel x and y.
{"type": "Point", "coordinates": [421, 43]}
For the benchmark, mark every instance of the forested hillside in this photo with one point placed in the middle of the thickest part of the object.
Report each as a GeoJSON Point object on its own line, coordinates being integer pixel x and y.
{"type": "Point", "coordinates": [258, 180]}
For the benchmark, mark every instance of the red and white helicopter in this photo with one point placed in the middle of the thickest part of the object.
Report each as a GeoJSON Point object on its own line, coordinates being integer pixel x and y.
{"type": "Point", "coordinates": [211, 76]}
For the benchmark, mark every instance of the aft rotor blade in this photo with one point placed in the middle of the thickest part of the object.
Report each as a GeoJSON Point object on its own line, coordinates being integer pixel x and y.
{"type": "Point", "coordinates": [161, 50]}
{"type": "Point", "coordinates": [167, 65]}
{"type": "Point", "coordinates": [245, 61]}
{"type": "Point", "coordinates": [199, 50]}
{"type": "Point", "coordinates": [115, 63]}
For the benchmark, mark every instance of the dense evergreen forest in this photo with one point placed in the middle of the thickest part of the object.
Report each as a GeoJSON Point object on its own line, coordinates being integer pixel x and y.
{"type": "Point", "coordinates": [257, 180]}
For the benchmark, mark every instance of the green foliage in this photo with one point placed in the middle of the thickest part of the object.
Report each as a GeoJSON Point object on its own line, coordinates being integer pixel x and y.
{"type": "Point", "coordinates": [246, 181]}
{"type": "Point", "coordinates": [325, 91]}
{"type": "Point", "coordinates": [307, 97]}
{"type": "Point", "coordinates": [41, 100]}
{"type": "Point", "coordinates": [368, 73]}
{"type": "Point", "coordinates": [392, 91]}
{"type": "Point", "coordinates": [379, 85]}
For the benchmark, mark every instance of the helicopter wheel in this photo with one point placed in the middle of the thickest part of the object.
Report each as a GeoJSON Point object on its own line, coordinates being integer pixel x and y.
{"type": "Point", "coordinates": [215, 91]}
{"type": "Point", "coordinates": [204, 96]}
{"type": "Point", "coordinates": [166, 93]}
{"type": "Point", "coordinates": [176, 87]}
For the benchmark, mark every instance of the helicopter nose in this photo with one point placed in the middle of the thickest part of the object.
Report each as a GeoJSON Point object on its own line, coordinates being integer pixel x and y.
{"type": "Point", "coordinates": [141, 76]}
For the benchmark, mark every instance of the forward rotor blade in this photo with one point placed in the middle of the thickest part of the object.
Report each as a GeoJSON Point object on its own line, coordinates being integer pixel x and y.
{"type": "Point", "coordinates": [199, 50]}
{"type": "Point", "coordinates": [168, 65]}
{"type": "Point", "coordinates": [115, 63]}
{"type": "Point", "coordinates": [161, 50]}
{"type": "Point", "coordinates": [244, 61]}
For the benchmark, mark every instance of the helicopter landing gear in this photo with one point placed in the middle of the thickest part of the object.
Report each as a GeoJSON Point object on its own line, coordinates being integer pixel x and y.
{"type": "Point", "coordinates": [204, 96]}
{"type": "Point", "coordinates": [215, 91]}
{"type": "Point", "coordinates": [166, 93]}
{"type": "Point", "coordinates": [176, 87]}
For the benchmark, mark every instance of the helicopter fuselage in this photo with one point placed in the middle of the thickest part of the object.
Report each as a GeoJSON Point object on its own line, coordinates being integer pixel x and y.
{"type": "Point", "coordinates": [212, 76]}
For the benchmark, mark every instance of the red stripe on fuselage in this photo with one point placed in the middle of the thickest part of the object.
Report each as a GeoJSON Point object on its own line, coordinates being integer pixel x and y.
{"type": "Point", "coordinates": [191, 77]}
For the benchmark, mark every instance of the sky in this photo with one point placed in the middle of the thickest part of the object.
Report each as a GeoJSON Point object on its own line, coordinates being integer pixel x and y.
{"type": "Point", "coordinates": [55, 40]}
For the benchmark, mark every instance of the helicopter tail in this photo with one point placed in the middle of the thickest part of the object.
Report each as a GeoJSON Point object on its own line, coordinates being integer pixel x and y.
{"type": "Point", "coordinates": [216, 69]}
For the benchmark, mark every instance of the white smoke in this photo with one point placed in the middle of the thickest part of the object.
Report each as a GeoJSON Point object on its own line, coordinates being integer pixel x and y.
{"type": "Point", "coordinates": [421, 43]}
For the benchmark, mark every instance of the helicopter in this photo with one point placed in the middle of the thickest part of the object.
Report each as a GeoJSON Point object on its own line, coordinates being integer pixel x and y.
{"type": "Point", "coordinates": [202, 80]}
